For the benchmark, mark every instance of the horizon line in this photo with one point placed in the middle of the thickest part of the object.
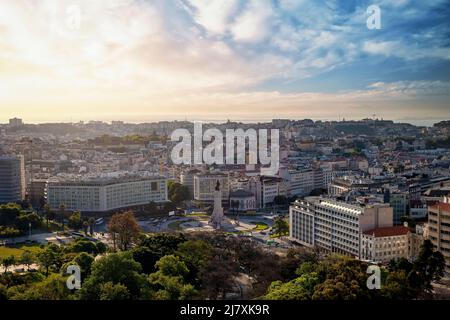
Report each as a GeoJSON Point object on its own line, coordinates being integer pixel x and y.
{"type": "Point", "coordinates": [415, 122]}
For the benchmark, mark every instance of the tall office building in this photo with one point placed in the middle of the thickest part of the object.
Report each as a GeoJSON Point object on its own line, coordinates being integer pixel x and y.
{"type": "Point", "coordinates": [12, 179]}
{"type": "Point", "coordinates": [334, 225]}
{"type": "Point", "coordinates": [439, 230]}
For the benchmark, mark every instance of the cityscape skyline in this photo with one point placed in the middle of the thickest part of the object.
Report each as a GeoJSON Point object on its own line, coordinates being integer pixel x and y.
{"type": "Point", "coordinates": [419, 123]}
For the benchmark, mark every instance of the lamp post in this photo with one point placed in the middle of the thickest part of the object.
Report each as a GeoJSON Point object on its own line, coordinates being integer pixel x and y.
{"type": "Point", "coordinates": [29, 229]}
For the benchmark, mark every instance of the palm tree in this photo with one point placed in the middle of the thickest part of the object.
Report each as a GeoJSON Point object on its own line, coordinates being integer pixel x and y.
{"type": "Point", "coordinates": [91, 222]}
{"type": "Point", "coordinates": [47, 214]}
{"type": "Point", "coordinates": [62, 211]}
{"type": "Point", "coordinates": [8, 262]}
{"type": "Point", "coordinates": [27, 259]}
{"type": "Point", "coordinates": [235, 208]}
{"type": "Point", "coordinates": [86, 227]}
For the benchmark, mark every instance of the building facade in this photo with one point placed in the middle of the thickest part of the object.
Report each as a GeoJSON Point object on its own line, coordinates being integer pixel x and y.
{"type": "Point", "coordinates": [399, 203]}
{"type": "Point", "coordinates": [439, 230]}
{"type": "Point", "coordinates": [106, 194]}
{"type": "Point", "coordinates": [205, 185]}
{"type": "Point", "coordinates": [15, 122]}
{"type": "Point", "coordinates": [37, 192]}
{"type": "Point", "coordinates": [268, 189]}
{"type": "Point", "coordinates": [12, 179]}
{"type": "Point", "coordinates": [381, 245]}
{"type": "Point", "coordinates": [333, 225]}
{"type": "Point", "coordinates": [246, 200]}
{"type": "Point", "coordinates": [187, 179]}
{"type": "Point", "coordinates": [301, 182]}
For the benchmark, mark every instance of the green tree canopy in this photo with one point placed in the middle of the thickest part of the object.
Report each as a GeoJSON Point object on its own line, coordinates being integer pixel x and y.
{"type": "Point", "coordinates": [117, 268]}
{"type": "Point", "coordinates": [168, 282]}
{"type": "Point", "coordinates": [178, 192]}
{"type": "Point", "coordinates": [75, 221]}
{"type": "Point", "coordinates": [50, 257]}
{"type": "Point", "coordinates": [111, 291]}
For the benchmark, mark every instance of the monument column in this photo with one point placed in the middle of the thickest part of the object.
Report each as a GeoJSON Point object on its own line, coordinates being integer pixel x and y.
{"type": "Point", "coordinates": [217, 215]}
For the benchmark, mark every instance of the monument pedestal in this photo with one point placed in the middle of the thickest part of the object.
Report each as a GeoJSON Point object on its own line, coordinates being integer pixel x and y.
{"type": "Point", "coordinates": [217, 216]}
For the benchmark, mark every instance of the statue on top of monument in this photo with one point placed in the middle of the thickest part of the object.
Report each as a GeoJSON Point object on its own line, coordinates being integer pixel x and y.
{"type": "Point", "coordinates": [218, 186]}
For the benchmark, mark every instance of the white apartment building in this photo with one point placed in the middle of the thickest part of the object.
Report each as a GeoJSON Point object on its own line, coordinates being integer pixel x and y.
{"type": "Point", "coordinates": [381, 245]}
{"type": "Point", "coordinates": [267, 188]}
{"type": "Point", "coordinates": [104, 194]}
{"type": "Point", "coordinates": [301, 182]}
{"type": "Point", "coordinates": [333, 225]}
{"type": "Point", "coordinates": [205, 185]}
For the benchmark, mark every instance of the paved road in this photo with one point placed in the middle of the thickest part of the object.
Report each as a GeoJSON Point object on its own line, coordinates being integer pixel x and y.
{"type": "Point", "coordinates": [39, 238]}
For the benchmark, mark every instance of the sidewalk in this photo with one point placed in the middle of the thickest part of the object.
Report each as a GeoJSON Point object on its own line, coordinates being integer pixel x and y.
{"type": "Point", "coordinates": [19, 268]}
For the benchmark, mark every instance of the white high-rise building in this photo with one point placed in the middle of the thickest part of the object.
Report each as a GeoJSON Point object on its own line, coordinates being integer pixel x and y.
{"type": "Point", "coordinates": [333, 225]}
{"type": "Point", "coordinates": [106, 193]}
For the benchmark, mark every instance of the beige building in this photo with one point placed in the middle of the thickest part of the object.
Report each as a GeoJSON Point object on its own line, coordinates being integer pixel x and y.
{"type": "Point", "coordinates": [439, 230]}
{"type": "Point", "coordinates": [384, 244]}
{"type": "Point", "coordinates": [416, 240]}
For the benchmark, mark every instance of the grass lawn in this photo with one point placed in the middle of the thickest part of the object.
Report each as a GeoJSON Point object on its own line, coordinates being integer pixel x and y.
{"type": "Point", "coordinates": [18, 250]}
{"type": "Point", "coordinates": [276, 236]}
{"type": "Point", "coordinates": [196, 214]}
{"type": "Point", "coordinates": [175, 226]}
{"type": "Point", "coordinates": [260, 226]}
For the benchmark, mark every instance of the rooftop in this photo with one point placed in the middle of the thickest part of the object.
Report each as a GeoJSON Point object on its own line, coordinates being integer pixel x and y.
{"type": "Point", "coordinates": [106, 179]}
{"type": "Point", "coordinates": [441, 206]}
{"type": "Point", "coordinates": [241, 193]}
{"type": "Point", "coordinates": [388, 231]}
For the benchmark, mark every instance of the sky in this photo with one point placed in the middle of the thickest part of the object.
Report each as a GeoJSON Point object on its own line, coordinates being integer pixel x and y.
{"type": "Point", "coordinates": [253, 60]}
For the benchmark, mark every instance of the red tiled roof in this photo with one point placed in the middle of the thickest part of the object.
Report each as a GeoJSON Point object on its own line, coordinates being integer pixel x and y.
{"type": "Point", "coordinates": [441, 206]}
{"type": "Point", "coordinates": [387, 231]}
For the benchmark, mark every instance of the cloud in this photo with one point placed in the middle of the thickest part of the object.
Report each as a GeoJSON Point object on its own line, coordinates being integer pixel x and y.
{"type": "Point", "coordinates": [385, 48]}
{"type": "Point", "coordinates": [153, 53]}
{"type": "Point", "coordinates": [412, 88]}
{"type": "Point", "coordinates": [214, 15]}
{"type": "Point", "coordinates": [254, 24]}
